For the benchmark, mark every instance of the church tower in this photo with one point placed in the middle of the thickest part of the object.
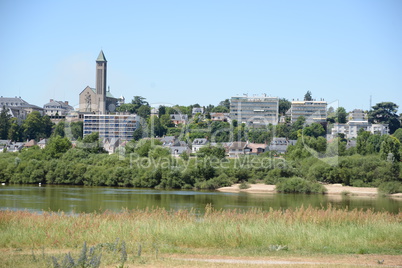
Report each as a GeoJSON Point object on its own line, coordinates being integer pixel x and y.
{"type": "Point", "coordinates": [101, 68]}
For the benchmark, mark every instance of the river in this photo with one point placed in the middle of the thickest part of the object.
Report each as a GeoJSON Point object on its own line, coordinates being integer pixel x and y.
{"type": "Point", "coordinates": [78, 199]}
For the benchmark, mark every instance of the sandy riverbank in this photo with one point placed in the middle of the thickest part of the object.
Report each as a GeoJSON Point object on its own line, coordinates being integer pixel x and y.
{"type": "Point", "coordinates": [333, 189]}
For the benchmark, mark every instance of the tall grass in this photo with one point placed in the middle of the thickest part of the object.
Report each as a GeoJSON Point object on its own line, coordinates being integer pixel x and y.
{"type": "Point", "coordinates": [252, 232]}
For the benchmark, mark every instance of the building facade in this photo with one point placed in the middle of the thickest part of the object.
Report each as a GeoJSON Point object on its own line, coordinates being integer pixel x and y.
{"type": "Point", "coordinates": [57, 108]}
{"type": "Point", "coordinates": [255, 111]}
{"type": "Point", "coordinates": [99, 100]}
{"type": "Point", "coordinates": [358, 120]}
{"type": "Point", "coordinates": [111, 126]}
{"type": "Point", "coordinates": [18, 108]}
{"type": "Point", "coordinates": [312, 111]}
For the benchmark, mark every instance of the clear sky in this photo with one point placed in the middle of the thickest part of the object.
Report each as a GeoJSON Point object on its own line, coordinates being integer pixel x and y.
{"type": "Point", "coordinates": [187, 52]}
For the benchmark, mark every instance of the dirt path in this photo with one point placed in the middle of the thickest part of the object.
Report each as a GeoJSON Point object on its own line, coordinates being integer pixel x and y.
{"type": "Point", "coordinates": [336, 260]}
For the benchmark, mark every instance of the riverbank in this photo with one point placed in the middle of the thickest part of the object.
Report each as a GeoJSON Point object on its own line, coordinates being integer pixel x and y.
{"type": "Point", "coordinates": [332, 189]}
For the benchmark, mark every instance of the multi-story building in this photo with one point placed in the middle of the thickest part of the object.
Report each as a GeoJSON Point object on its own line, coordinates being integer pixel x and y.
{"type": "Point", "coordinates": [255, 111]}
{"type": "Point", "coordinates": [18, 108]}
{"type": "Point", "coordinates": [358, 120]}
{"type": "Point", "coordinates": [111, 126]}
{"type": "Point", "coordinates": [312, 111]}
{"type": "Point", "coordinates": [57, 108]}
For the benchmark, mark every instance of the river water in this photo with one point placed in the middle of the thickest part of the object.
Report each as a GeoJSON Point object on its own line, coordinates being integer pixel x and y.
{"type": "Point", "coordinates": [77, 199]}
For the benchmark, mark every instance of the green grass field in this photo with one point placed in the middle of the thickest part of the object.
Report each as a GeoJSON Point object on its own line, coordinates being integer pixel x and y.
{"type": "Point", "coordinates": [147, 234]}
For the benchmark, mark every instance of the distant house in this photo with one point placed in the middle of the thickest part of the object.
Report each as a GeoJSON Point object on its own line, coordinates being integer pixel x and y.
{"type": "Point", "coordinates": [4, 145]}
{"type": "Point", "coordinates": [280, 145]}
{"type": "Point", "coordinates": [167, 141]}
{"type": "Point", "coordinates": [237, 148]}
{"type": "Point", "coordinates": [15, 147]}
{"type": "Point", "coordinates": [197, 144]}
{"type": "Point", "coordinates": [175, 146]}
{"type": "Point", "coordinates": [42, 143]}
{"type": "Point", "coordinates": [178, 150]}
{"type": "Point", "coordinates": [30, 143]}
{"type": "Point", "coordinates": [224, 117]}
{"type": "Point", "coordinates": [199, 110]}
{"type": "Point", "coordinates": [111, 144]}
{"type": "Point", "coordinates": [179, 119]}
{"type": "Point", "coordinates": [256, 148]}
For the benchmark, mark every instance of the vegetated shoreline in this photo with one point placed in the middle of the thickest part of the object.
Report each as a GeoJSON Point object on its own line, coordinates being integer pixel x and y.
{"type": "Point", "coordinates": [332, 189]}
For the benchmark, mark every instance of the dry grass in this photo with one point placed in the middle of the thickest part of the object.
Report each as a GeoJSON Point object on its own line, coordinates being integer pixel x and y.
{"type": "Point", "coordinates": [252, 233]}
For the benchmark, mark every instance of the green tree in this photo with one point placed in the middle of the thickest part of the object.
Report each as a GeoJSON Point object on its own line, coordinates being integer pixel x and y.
{"type": "Point", "coordinates": [5, 123]}
{"type": "Point", "coordinates": [398, 134]}
{"type": "Point", "coordinates": [15, 131]}
{"type": "Point", "coordinates": [47, 126]}
{"type": "Point", "coordinates": [92, 144]}
{"type": "Point", "coordinates": [36, 126]}
{"type": "Point", "coordinates": [212, 151]}
{"type": "Point", "coordinates": [314, 130]}
{"type": "Point", "coordinates": [144, 111]}
{"type": "Point", "coordinates": [225, 103]}
{"type": "Point", "coordinates": [57, 146]}
{"type": "Point", "coordinates": [165, 121]}
{"type": "Point", "coordinates": [390, 149]}
{"type": "Point", "coordinates": [220, 109]}
{"type": "Point", "coordinates": [77, 129]}
{"type": "Point", "coordinates": [385, 113]}
{"type": "Point", "coordinates": [308, 96]}
{"type": "Point", "coordinates": [156, 128]}
{"type": "Point", "coordinates": [361, 143]}
{"type": "Point", "coordinates": [161, 110]}
{"type": "Point", "coordinates": [59, 129]}
{"type": "Point", "coordinates": [284, 106]}
{"type": "Point", "coordinates": [341, 115]}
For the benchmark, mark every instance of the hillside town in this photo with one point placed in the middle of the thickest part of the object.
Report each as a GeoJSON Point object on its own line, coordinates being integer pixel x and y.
{"type": "Point", "coordinates": [242, 125]}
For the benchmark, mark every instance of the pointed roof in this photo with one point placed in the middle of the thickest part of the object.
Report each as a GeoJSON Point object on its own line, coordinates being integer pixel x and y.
{"type": "Point", "coordinates": [101, 56]}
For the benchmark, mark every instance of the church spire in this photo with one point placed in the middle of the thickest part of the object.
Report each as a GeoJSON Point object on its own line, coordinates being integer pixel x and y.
{"type": "Point", "coordinates": [101, 57]}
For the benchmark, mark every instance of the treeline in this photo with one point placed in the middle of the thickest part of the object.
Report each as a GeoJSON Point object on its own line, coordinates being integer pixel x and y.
{"type": "Point", "coordinates": [36, 127]}
{"type": "Point", "coordinates": [147, 164]}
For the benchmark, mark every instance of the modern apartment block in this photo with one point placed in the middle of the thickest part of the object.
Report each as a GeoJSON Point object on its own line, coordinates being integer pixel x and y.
{"type": "Point", "coordinates": [255, 111]}
{"type": "Point", "coordinates": [111, 126]}
{"type": "Point", "coordinates": [313, 111]}
{"type": "Point", "coordinates": [358, 120]}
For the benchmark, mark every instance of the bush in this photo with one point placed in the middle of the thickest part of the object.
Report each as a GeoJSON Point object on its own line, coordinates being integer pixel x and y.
{"type": "Point", "coordinates": [244, 185]}
{"type": "Point", "coordinates": [299, 185]}
{"type": "Point", "coordinates": [391, 187]}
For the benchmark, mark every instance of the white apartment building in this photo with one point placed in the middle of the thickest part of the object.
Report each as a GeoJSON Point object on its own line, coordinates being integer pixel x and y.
{"type": "Point", "coordinates": [313, 111]}
{"type": "Point", "coordinates": [255, 111]}
{"type": "Point", "coordinates": [111, 126]}
{"type": "Point", "coordinates": [358, 120]}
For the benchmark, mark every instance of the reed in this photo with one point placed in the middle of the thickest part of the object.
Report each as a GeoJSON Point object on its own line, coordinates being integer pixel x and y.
{"type": "Point", "coordinates": [253, 232]}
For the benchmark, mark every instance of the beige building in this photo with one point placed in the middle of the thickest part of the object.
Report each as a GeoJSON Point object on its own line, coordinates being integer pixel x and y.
{"type": "Point", "coordinates": [255, 111]}
{"type": "Point", "coordinates": [312, 111]}
{"type": "Point", "coordinates": [98, 100]}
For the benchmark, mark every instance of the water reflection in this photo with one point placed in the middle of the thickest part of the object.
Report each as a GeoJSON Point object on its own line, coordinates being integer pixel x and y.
{"type": "Point", "coordinates": [89, 199]}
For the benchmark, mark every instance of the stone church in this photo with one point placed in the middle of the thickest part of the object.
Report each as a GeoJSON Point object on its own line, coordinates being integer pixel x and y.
{"type": "Point", "coordinates": [99, 100]}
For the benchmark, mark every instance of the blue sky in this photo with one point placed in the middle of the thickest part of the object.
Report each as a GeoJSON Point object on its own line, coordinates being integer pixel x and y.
{"type": "Point", "coordinates": [186, 52]}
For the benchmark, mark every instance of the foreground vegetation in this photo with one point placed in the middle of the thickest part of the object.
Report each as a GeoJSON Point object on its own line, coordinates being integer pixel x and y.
{"type": "Point", "coordinates": [302, 231]}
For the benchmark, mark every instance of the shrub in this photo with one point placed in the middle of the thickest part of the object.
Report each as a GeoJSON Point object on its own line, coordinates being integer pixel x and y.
{"type": "Point", "coordinates": [299, 185]}
{"type": "Point", "coordinates": [244, 185]}
{"type": "Point", "coordinates": [390, 187]}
